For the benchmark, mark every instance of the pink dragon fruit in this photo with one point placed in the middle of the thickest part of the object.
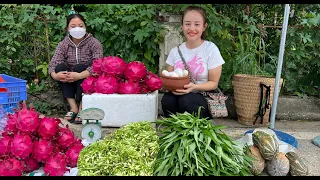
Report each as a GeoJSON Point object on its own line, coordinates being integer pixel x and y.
{"type": "Point", "coordinates": [42, 150]}
{"type": "Point", "coordinates": [113, 66]}
{"type": "Point", "coordinates": [88, 85]}
{"type": "Point", "coordinates": [96, 66]}
{"type": "Point", "coordinates": [135, 71]}
{"type": "Point", "coordinates": [152, 82]}
{"type": "Point", "coordinates": [11, 127]}
{"type": "Point", "coordinates": [48, 127]}
{"type": "Point", "coordinates": [34, 136]}
{"type": "Point", "coordinates": [57, 148]}
{"type": "Point", "coordinates": [30, 165]}
{"type": "Point", "coordinates": [65, 137]}
{"type": "Point", "coordinates": [72, 155]}
{"type": "Point", "coordinates": [144, 89]}
{"type": "Point", "coordinates": [129, 87]}
{"type": "Point", "coordinates": [78, 142]}
{"type": "Point", "coordinates": [28, 120]}
{"type": "Point", "coordinates": [56, 165]}
{"type": "Point", "coordinates": [11, 167]}
{"type": "Point", "coordinates": [5, 143]}
{"type": "Point", "coordinates": [7, 133]}
{"type": "Point", "coordinates": [106, 85]}
{"type": "Point", "coordinates": [21, 146]}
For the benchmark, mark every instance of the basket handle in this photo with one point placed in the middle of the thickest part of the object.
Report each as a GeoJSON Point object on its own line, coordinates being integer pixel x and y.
{"type": "Point", "coordinates": [264, 103]}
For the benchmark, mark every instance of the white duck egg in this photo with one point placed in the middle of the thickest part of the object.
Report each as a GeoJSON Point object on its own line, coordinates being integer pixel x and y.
{"type": "Point", "coordinates": [185, 72]}
{"type": "Point", "coordinates": [179, 72]}
{"type": "Point", "coordinates": [174, 74]}
{"type": "Point", "coordinates": [165, 73]}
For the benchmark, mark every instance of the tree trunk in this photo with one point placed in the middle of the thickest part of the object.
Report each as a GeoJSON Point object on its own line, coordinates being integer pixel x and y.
{"type": "Point", "coordinates": [35, 53]}
{"type": "Point", "coordinates": [47, 36]}
{"type": "Point", "coordinates": [248, 9]}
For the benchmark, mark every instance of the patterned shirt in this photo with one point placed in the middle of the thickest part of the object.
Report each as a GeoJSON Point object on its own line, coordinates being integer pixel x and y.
{"type": "Point", "coordinates": [85, 52]}
{"type": "Point", "coordinates": [200, 59]}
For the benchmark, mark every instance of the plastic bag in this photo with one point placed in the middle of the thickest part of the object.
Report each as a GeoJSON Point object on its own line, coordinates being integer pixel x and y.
{"type": "Point", "coordinates": [283, 146]}
{"type": "Point", "coordinates": [40, 172]}
{"type": "Point", "coordinates": [3, 119]}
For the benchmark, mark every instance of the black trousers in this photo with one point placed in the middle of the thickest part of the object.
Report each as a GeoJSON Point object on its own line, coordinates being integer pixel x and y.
{"type": "Point", "coordinates": [185, 103]}
{"type": "Point", "coordinates": [71, 90]}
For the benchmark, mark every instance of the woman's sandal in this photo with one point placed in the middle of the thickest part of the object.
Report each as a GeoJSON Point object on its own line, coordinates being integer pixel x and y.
{"type": "Point", "coordinates": [71, 114]}
{"type": "Point", "coordinates": [79, 121]}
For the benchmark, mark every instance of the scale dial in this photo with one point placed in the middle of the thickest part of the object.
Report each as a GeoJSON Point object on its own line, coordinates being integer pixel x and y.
{"type": "Point", "coordinates": [91, 132]}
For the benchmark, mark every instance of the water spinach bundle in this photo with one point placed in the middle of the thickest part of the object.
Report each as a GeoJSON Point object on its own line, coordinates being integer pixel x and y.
{"type": "Point", "coordinates": [192, 146]}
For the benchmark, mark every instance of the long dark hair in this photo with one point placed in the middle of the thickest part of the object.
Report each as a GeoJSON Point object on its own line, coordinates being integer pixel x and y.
{"type": "Point", "coordinates": [203, 14]}
{"type": "Point", "coordinates": [71, 16]}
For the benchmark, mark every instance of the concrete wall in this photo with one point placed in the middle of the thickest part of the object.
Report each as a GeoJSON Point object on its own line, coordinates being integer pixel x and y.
{"type": "Point", "coordinates": [172, 38]}
{"type": "Point", "coordinates": [296, 108]}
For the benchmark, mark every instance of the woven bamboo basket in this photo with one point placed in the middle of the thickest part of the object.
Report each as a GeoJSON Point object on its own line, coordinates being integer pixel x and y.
{"type": "Point", "coordinates": [247, 94]}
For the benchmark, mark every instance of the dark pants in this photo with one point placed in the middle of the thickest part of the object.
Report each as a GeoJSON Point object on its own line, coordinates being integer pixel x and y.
{"type": "Point", "coordinates": [71, 90]}
{"type": "Point", "coordinates": [185, 103]}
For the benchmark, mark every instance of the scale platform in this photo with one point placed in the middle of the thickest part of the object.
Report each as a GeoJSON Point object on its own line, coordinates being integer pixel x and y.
{"type": "Point", "coordinates": [91, 130]}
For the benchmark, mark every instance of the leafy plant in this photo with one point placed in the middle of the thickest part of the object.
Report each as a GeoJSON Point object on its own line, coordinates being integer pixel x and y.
{"type": "Point", "coordinates": [190, 145]}
{"type": "Point", "coordinates": [43, 67]}
{"type": "Point", "coordinates": [34, 88]}
{"type": "Point", "coordinates": [129, 151]}
{"type": "Point", "coordinates": [128, 31]}
{"type": "Point", "coordinates": [302, 57]}
{"type": "Point", "coordinates": [42, 107]}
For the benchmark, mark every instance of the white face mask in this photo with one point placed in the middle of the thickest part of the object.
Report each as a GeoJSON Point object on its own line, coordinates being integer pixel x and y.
{"type": "Point", "coordinates": [77, 32]}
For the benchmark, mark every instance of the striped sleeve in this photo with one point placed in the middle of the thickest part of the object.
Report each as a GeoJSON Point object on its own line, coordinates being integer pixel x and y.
{"type": "Point", "coordinates": [58, 58]}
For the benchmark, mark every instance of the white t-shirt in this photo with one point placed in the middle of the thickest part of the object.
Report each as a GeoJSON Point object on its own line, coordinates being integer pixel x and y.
{"type": "Point", "coordinates": [199, 60]}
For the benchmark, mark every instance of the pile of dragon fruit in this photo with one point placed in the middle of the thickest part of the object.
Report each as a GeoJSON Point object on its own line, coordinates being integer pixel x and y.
{"type": "Point", "coordinates": [113, 75]}
{"type": "Point", "coordinates": [29, 142]}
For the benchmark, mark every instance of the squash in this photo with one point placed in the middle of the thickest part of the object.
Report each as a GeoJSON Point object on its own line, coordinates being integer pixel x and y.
{"type": "Point", "coordinates": [298, 166]}
{"type": "Point", "coordinates": [279, 166]}
{"type": "Point", "coordinates": [267, 144]}
{"type": "Point", "coordinates": [258, 163]}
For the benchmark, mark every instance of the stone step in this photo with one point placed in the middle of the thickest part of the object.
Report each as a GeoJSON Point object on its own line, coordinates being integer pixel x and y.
{"type": "Point", "coordinates": [288, 108]}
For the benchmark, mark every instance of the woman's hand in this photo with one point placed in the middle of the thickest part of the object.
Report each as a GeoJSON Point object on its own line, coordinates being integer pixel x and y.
{"type": "Point", "coordinates": [72, 76]}
{"type": "Point", "coordinates": [60, 76]}
{"type": "Point", "coordinates": [188, 88]}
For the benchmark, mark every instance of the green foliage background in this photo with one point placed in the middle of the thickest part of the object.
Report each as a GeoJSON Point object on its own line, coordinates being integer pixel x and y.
{"type": "Point", "coordinates": [30, 33]}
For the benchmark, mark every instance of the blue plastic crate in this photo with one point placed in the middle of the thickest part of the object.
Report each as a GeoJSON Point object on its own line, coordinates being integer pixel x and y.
{"type": "Point", "coordinates": [15, 92]}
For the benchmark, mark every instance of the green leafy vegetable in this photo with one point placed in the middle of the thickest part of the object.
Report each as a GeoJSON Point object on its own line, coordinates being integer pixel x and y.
{"type": "Point", "coordinates": [192, 146]}
{"type": "Point", "coordinates": [129, 151]}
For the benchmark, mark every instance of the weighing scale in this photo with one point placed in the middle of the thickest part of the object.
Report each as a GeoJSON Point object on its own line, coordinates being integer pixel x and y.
{"type": "Point", "coordinates": [91, 130]}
